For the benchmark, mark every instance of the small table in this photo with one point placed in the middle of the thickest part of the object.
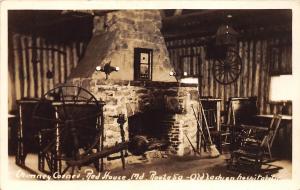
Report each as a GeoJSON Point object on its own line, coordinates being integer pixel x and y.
{"type": "Point", "coordinates": [269, 116]}
{"type": "Point", "coordinates": [253, 127]}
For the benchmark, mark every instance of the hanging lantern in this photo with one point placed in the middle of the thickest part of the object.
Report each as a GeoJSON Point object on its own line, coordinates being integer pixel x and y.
{"type": "Point", "coordinates": [226, 35]}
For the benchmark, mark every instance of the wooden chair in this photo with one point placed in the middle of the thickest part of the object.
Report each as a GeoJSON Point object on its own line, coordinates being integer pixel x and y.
{"type": "Point", "coordinates": [226, 128]}
{"type": "Point", "coordinates": [238, 111]}
{"type": "Point", "coordinates": [256, 144]}
{"type": "Point", "coordinates": [268, 140]}
{"type": "Point", "coordinates": [241, 111]}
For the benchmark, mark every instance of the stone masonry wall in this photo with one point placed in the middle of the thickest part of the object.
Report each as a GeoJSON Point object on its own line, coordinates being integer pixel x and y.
{"type": "Point", "coordinates": [141, 96]}
{"type": "Point", "coordinates": [125, 30]}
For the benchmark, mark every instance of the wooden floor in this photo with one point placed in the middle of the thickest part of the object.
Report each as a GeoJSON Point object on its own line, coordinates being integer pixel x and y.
{"type": "Point", "coordinates": [172, 167]}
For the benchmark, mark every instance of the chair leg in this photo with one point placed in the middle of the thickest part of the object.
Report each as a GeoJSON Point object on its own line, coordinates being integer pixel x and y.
{"type": "Point", "coordinates": [41, 156]}
{"type": "Point", "coordinates": [270, 154]}
{"type": "Point", "coordinates": [41, 162]}
{"type": "Point", "coordinates": [123, 159]}
{"type": "Point", "coordinates": [219, 142]}
{"type": "Point", "coordinates": [72, 172]}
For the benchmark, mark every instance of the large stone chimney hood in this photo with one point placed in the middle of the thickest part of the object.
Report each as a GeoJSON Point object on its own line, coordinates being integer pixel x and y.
{"type": "Point", "coordinates": [124, 31]}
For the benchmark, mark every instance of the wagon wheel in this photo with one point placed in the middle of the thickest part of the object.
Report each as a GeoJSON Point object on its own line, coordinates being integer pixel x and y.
{"type": "Point", "coordinates": [227, 70]}
{"type": "Point", "coordinates": [69, 127]}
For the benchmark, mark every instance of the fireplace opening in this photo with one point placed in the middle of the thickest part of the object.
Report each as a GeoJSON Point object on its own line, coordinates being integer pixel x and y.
{"type": "Point", "coordinates": [154, 124]}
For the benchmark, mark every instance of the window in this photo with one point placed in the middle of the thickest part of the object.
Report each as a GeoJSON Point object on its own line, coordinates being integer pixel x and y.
{"type": "Point", "coordinates": [143, 64]}
{"type": "Point", "coordinates": [281, 88]}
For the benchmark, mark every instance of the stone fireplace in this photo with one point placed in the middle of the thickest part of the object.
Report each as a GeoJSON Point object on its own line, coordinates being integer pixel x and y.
{"type": "Point", "coordinates": [154, 103]}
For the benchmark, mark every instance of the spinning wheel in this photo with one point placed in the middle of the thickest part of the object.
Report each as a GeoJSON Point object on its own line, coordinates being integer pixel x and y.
{"type": "Point", "coordinates": [227, 70]}
{"type": "Point", "coordinates": [69, 120]}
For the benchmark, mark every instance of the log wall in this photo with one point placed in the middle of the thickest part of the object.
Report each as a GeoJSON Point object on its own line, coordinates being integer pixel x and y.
{"type": "Point", "coordinates": [261, 58]}
{"type": "Point", "coordinates": [30, 58]}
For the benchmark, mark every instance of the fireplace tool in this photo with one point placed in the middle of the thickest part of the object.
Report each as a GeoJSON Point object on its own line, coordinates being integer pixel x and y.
{"type": "Point", "coordinates": [123, 153]}
{"type": "Point", "coordinates": [193, 147]}
{"type": "Point", "coordinates": [213, 151]}
{"type": "Point", "coordinates": [200, 131]}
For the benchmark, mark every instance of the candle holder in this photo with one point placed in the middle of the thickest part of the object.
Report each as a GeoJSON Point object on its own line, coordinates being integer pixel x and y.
{"type": "Point", "coordinates": [107, 69]}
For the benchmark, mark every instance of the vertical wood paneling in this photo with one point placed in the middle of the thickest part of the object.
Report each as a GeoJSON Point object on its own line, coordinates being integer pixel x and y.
{"type": "Point", "coordinates": [46, 63]}
{"type": "Point", "coordinates": [16, 86]}
{"type": "Point", "coordinates": [51, 65]}
{"type": "Point", "coordinates": [39, 66]}
{"type": "Point", "coordinates": [65, 63]}
{"type": "Point", "coordinates": [210, 82]}
{"type": "Point", "coordinates": [255, 76]}
{"type": "Point", "coordinates": [31, 57]}
{"type": "Point", "coordinates": [202, 57]}
{"type": "Point", "coordinates": [260, 77]}
{"type": "Point", "coordinates": [257, 63]}
{"type": "Point", "coordinates": [239, 80]}
{"type": "Point", "coordinates": [31, 68]}
{"type": "Point", "coordinates": [250, 68]}
{"type": "Point", "coordinates": [11, 69]}
{"type": "Point", "coordinates": [74, 54]}
{"type": "Point", "coordinates": [245, 61]}
{"type": "Point", "coordinates": [24, 77]}
{"type": "Point", "coordinates": [264, 75]}
{"type": "Point", "coordinates": [55, 66]}
{"type": "Point", "coordinates": [68, 61]}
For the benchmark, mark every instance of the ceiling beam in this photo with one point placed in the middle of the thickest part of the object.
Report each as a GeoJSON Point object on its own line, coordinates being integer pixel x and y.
{"type": "Point", "coordinates": [214, 16]}
{"type": "Point", "coordinates": [209, 25]}
{"type": "Point", "coordinates": [283, 30]}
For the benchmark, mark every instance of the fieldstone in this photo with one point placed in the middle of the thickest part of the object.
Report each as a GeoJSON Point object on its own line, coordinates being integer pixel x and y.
{"type": "Point", "coordinates": [120, 109]}
{"type": "Point", "coordinates": [109, 134]}
{"type": "Point", "coordinates": [108, 109]}
{"type": "Point", "coordinates": [194, 95]}
{"type": "Point", "coordinates": [109, 93]}
{"type": "Point", "coordinates": [114, 127]}
{"type": "Point", "coordinates": [186, 151]}
{"type": "Point", "coordinates": [182, 93]}
{"type": "Point", "coordinates": [112, 101]}
{"type": "Point", "coordinates": [126, 20]}
{"type": "Point", "coordinates": [108, 120]}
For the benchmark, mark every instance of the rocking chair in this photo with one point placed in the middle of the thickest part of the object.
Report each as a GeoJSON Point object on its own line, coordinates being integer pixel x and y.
{"type": "Point", "coordinates": [255, 146]}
